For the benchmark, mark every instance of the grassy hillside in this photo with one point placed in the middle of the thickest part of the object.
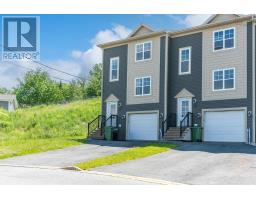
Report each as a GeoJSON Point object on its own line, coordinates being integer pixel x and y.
{"type": "Point", "coordinates": [43, 128]}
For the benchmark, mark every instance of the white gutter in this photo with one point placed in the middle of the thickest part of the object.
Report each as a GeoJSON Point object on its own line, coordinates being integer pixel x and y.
{"type": "Point", "coordinates": [253, 80]}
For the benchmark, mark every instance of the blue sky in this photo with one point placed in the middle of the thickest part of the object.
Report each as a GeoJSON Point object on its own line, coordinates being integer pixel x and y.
{"type": "Point", "coordinates": [68, 42]}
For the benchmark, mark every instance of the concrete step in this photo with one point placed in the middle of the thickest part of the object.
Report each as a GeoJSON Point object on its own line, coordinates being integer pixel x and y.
{"type": "Point", "coordinates": [97, 135]}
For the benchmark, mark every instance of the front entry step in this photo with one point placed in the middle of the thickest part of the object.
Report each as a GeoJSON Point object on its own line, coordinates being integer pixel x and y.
{"type": "Point", "coordinates": [97, 135]}
{"type": "Point", "coordinates": [173, 133]}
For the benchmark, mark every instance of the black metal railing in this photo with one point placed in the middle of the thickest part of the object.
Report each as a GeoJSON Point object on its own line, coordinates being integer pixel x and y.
{"type": "Point", "coordinates": [112, 121]}
{"type": "Point", "coordinates": [186, 122]}
{"type": "Point", "coordinates": [170, 121]}
{"type": "Point", "coordinates": [97, 124]}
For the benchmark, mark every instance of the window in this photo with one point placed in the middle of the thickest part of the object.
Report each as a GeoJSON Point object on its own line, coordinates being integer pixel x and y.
{"type": "Point", "coordinates": [224, 79]}
{"type": "Point", "coordinates": [143, 51]}
{"type": "Point", "coordinates": [114, 69]}
{"type": "Point", "coordinates": [143, 86]}
{"type": "Point", "coordinates": [185, 60]}
{"type": "Point", "coordinates": [224, 39]}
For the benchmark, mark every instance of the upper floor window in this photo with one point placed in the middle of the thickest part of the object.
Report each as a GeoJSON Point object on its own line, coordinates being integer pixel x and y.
{"type": "Point", "coordinates": [224, 39]}
{"type": "Point", "coordinates": [224, 79]}
{"type": "Point", "coordinates": [185, 60]}
{"type": "Point", "coordinates": [143, 51]}
{"type": "Point", "coordinates": [143, 86]}
{"type": "Point", "coordinates": [114, 69]}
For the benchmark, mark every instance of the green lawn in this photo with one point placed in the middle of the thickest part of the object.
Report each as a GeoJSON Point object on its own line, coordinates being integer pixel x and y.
{"type": "Point", "coordinates": [43, 128]}
{"type": "Point", "coordinates": [130, 154]}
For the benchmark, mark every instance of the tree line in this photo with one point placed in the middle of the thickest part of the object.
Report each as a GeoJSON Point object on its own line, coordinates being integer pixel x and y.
{"type": "Point", "coordinates": [38, 88]}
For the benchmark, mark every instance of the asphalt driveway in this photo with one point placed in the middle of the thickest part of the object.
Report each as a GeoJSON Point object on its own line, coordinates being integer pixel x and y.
{"type": "Point", "coordinates": [72, 155]}
{"type": "Point", "coordinates": [196, 163]}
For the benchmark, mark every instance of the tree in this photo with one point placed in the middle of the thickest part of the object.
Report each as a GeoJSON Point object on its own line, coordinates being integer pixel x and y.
{"type": "Point", "coordinates": [37, 88]}
{"type": "Point", "coordinates": [4, 90]}
{"type": "Point", "coordinates": [93, 86]}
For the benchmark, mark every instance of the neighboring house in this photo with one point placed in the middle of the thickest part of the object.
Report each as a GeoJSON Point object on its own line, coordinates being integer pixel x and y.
{"type": "Point", "coordinates": [157, 84]}
{"type": "Point", "coordinates": [8, 102]}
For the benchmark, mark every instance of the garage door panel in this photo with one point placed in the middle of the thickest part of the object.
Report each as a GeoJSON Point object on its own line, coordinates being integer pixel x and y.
{"type": "Point", "coordinates": [143, 126]}
{"type": "Point", "coordinates": [225, 126]}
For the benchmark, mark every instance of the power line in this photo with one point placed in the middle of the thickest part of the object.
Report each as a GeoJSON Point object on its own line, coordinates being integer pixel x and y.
{"type": "Point", "coordinates": [40, 68]}
{"type": "Point", "coordinates": [49, 67]}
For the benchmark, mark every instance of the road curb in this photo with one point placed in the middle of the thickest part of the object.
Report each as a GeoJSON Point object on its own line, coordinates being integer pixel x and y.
{"type": "Point", "coordinates": [130, 177]}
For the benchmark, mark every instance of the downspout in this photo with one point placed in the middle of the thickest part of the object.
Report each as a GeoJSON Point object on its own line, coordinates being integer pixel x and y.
{"type": "Point", "coordinates": [253, 80]}
{"type": "Point", "coordinates": [166, 75]}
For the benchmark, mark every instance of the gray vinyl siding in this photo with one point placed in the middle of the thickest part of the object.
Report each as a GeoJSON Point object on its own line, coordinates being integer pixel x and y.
{"type": "Point", "coordinates": [193, 81]}
{"type": "Point", "coordinates": [119, 88]}
{"type": "Point", "coordinates": [4, 105]}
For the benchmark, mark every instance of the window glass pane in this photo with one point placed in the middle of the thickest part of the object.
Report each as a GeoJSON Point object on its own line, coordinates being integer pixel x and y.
{"type": "Point", "coordinates": [184, 66]}
{"type": "Point", "coordinates": [218, 85]}
{"type": "Point", "coordinates": [114, 64]}
{"type": "Point", "coordinates": [147, 46]}
{"type": "Point", "coordinates": [218, 40]}
{"type": "Point", "coordinates": [138, 90]}
{"type": "Point", "coordinates": [218, 75]}
{"type": "Point", "coordinates": [229, 83]}
{"type": "Point", "coordinates": [114, 74]}
{"type": "Point", "coordinates": [146, 81]}
{"type": "Point", "coordinates": [229, 43]}
{"type": "Point", "coordinates": [139, 56]}
{"type": "Point", "coordinates": [218, 45]}
{"type": "Point", "coordinates": [139, 82]}
{"type": "Point", "coordinates": [139, 48]}
{"type": "Point", "coordinates": [147, 55]}
{"type": "Point", "coordinates": [146, 90]}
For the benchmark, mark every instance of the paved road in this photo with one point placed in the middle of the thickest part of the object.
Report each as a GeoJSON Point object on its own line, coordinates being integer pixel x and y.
{"type": "Point", "coordinates": [35, 176]}
{"type": "Point", "coordinates": [72, 155]}
{"type": "Point", "coordinates": [196, 163]}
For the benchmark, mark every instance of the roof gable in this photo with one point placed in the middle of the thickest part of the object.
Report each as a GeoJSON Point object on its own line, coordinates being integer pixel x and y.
{"type": "Point", "coordinates": [141, 30]}
{"type": "Point", "coordinates": [221, 17]}
{"type": "Point", "coordinates": [111, 98]}
{"type": "Point", "coordinates": [184, 93]}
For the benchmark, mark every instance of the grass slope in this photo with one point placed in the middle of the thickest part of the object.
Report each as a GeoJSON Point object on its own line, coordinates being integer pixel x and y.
{"type": "Point", "coordinates": [126, 155]}
{"type": "Point", "coordinates": [44, 128]}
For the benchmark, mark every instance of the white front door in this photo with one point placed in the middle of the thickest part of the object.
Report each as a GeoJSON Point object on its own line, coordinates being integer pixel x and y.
{"type": "Point", "coordinates": [111, 110]}
{"type": "Point", "coordinates": [184, 106]}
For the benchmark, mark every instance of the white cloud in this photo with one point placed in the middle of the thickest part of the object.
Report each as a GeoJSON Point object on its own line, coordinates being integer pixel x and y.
{"type": "Point", "coordinates": [79, 63]}
{"type": "Point", "coordinates": [190, 20]}
{"type": "Point", "coordinates": [93, 55]}
{"type": "Point", "coordinates": [195, 20]}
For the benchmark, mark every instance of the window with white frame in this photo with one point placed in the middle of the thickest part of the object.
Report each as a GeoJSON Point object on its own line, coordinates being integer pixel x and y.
{"type": "Point", "coordinates": [143, 86]}
{"type": "Point", "coordinates": [224, 39]}
{"type": "Point", "coordinates": [114, 69]}
{"type": "Point", "coordinates": [224, 79]}
{"type": "Point", "coordinates": [143, 51]}
{"type": "Point", "coordinates": [185, 60]}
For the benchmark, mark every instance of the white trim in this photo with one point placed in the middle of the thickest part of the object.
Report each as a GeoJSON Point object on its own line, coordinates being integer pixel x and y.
{"type": "Point", "coordinates": [110, 71]}
{"type": "Point", "coordinates": [178, 107]}
{"type": "Point", "coordinates": [223, 70]}
{"type": "Point", "coordinates": [253, 82]}
{"type": "Point", "coordinates": [141, 112]}
{"type": "Point", "coordinates": [139, 95]}
{"type": "Point", "coordinates": [143, 43]}
{"type": "Point", "coordinates": [189, 63]}
{"type": "Point", "coordinates": [223, 30]}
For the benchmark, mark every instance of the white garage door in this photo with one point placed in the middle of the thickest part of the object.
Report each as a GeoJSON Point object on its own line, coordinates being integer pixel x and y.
{"type": "Point", "coordinates": [142, 126]}
{"type": "Point", "coordinates": [228, 126]}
